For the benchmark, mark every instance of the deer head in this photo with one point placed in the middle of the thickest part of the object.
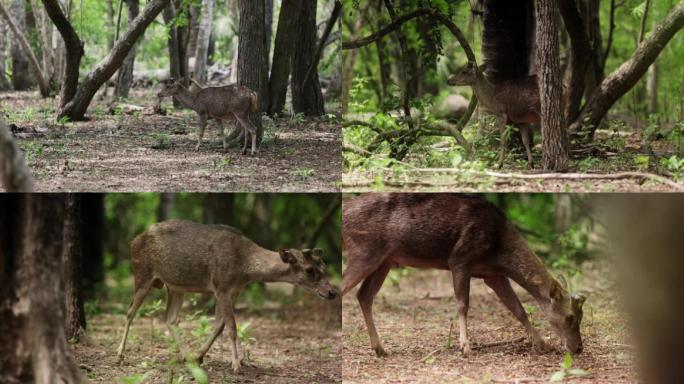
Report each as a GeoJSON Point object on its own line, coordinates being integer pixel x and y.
{"type": "Point", "coordinates": [565, 316]}
{"type": "Point", "coordinates": [308, 270]}
{"type": "Point", "coordinates": [170, 87]}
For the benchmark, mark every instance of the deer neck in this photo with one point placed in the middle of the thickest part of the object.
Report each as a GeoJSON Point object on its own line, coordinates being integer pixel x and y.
{"type": "Point", "coordinates": [484, 90]}
{"type": "Point", "coordinates": [267, 267]}
{"type": "Point", "coordinates": [187, 98]}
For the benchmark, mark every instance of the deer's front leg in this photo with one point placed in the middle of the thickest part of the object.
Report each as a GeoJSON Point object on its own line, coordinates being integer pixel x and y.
{"type": "Point", "coordinates": [501, 123]}
{"type": "Point", "coordinates": [461, 280]}
{"type": "Point", "coordinates": [229, 319]}
{"type": "Point", "coordinates": [220, 325]}
{"type": "Point", "coordinates": [526, 133]}
{"type": "Point", "coordinates": [202, 125]}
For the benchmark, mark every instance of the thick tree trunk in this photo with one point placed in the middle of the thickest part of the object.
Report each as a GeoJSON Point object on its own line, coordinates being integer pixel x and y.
{"type": "Point", "coordinates": [252, 66]}
{"type": "Point", "coordinates": [76, 108]}
{"type": "Point", "coordinates": [219, 208]}
{"type": "Point", "coordinates": [125, 74]}
{"type": "Point", "coordinates": [166, 202]}
{"type": "Point", "coordinates": [554, 136]}
{"type": "Point", "coordinates": [74, 51]}
{"type": "Point", "coordinates": [74, 316]}
{"type": "Point", "coordinates": [21, 80]}
{"type": "Point", "coordinates": [177, 61]}
{"type": "Point", "coordinates": [33, 345]}
{"type": "Point", "coordinates": [628, 74]}
{"type": "Point", "coordinates": [203, 37]}
{"type": "Point", "coordinates": [306, 98]}
{"type": "Point", "coordinates": [92, 237]}
{"type": "Point", "coordinates": [283, 48]}
{"type": "Point", "coordinates": [45, 38]}
{"type": "Point", "coordinates": [268, 27]}
{"type": "Point", "coordinates": [579, 57]}
{"type": "Point", "coordinates": [193, 30]}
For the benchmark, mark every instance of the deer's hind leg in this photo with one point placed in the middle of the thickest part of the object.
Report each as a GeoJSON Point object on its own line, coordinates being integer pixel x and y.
{"type": "Point", "coordinates": [527, 139]}
{"type": "Point", "coordinates": [174, 303]}
{"type": "Point", "coordinates": [141, 290]}
{"type": "Point", "coordinates": [249, 127]}
{"type": "Point", "coordinates": [202, 125]}
{"type": "Point", "coordinates": [501, 122]}
{"type": "Point", "coordinates": [502, 287]}
{"type": "Point", "coordinates": [366, 294]}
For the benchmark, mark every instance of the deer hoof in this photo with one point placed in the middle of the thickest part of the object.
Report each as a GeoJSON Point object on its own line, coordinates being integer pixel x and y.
{"type": "Point", "coordinates": [380, 351]}
{"type": "Point", "coordinates": [465, 349]}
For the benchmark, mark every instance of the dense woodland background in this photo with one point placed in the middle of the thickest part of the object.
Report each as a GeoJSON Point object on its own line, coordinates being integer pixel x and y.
{"type": "Point", "coordinates": [643, 129]}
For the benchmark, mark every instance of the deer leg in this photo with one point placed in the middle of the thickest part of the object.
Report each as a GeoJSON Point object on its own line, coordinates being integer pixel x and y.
{"type": "Point", "coordinates": [370, 287]}
{"type": "Point", "coordinates": [502, 136]}
{"type": "Point", "coordinates": [138, 298]}
{"type": "Point", "coordinates": [461, 280]}
{"type": "Point", "coordinates": [202, 125]}
{"type": "Point", "coordinates": [219, 122]}
{"type": "Point", "coordinates": [244, 120]}
{"type": "Point", "coordinates": [174, 302]}
{"type": "Point", "coordinates": [218, 329]}
{"type": "Point", "coordinates": [502, 287]}
{"type": "Point", "coordinates": [526, 132]}
{"type": "Point", "coordinates": [229, 319]}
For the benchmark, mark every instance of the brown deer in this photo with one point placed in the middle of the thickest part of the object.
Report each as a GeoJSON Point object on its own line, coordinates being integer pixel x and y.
{"type": "Point", "coordinates": [510, 101]}
{"type": "Point", "coordinates": [190, 257]}
{"type": "Point", "coordinates": [465, 235]}
{"type": "Point", "coordinates": [220, 103]}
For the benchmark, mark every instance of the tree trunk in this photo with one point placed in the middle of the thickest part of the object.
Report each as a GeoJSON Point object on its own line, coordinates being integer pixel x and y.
{"type": "Point", "coordinates": [652, 88]}
{"type": "Point", "coordinates": [74, 51]}
{"type": "Point", "coordinates": [33, 345]}
{"type": "Point", "coordinates": [203, 36]}
{"type": "Point", "coordinates": [92, 236]}
{"type": "Point", "coordinates": [349, 61]}
{"type": "Point", "coordinates": [628, 74]}
{"type": "Point", "coordinates": [283, 48]}
{"type": "Point", "coordinates": [268, 27]}
{"type": "Point", "coordinates": [125, 74]}
{"type": "Point", "coordinates": [4, 83]}
{"type": "Point", "coordinates": [45, 38]}
{"type": "Point", "coordinates": [554, 135]}
{"type": "Point", "coordinates": [21, 80]}
{"type": "Point", "coordinates": [252, 66]}
{"type": "Point", "coordinates": [76, 108]}
{"type": "Point", "coordinates": [166, 202]}
{"type": "Point", "coordinates": [74, 322]}
{"type": "Point", "coordinates": [579, 57]}
{"type": "Point", "coordinates": [14, 174]}
{"type": "Point", "coordinates": [177, 61]}
{"type": "Point", "coordinates": [193, 30]}
{"type": "Point", "coordinates": [219, 208]}
{"type": "Point", "coordinates": [306, 98]}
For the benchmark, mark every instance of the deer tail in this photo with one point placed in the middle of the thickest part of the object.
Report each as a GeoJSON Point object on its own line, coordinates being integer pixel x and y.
{"type": "Point", "coordinates": [254, 102]}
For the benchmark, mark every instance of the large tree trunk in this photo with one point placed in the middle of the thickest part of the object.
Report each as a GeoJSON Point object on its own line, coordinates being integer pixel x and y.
{"type": "Point", "coordinates": [45, 38]}
{"type": "Point", "coordinates": [74, 51]}
{"type": "Point", "coordinates": [166, 202]}
{"type": "Point", "coordinates": [177, 61]}
{"type": "Point", "coordinates": [307, 98]}
{"type": "Point", "coordinates": [92, 237]}
{"type": "Point", "coordinates": [4, 82]}
{"type": "Point", "coordinates": [125, 74]}
{"type": "Point", "coordinates": [554, 136]}
{"type": "Point", "coordinates": [628, 74]}
{"type": "Point", "coordinates": [21, 80]}
{"type": "Point", "coordinates": [268, 27]}
{"type": "Point", "coordinates": [285, 41]}
{"type": "Point", "coordinates": [76, 108]}
{"type": "Point", "coordinates": [203, 37]}
{"type": "Point", "coordinates": [33, 345]}
{"type": "Point", "coordinates": [252, 66]}
{"type": "Point", "coordinates": [579, 57]}
{"type": "Point", "coordinates": [74, 321]}
{"type": "Point", "coordinates": [219, 208]}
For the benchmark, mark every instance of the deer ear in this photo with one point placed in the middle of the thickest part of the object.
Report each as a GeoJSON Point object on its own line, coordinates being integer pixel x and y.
{"type": "Point", "coordinates": [286, 256]}
{"type": "Point", "coordinates": [563, 282]}
{"type": "Point", "coordinates": [317, 252]}
{"type": "Point", "coordinates": [578, 300]}
{"type": "Point", "coordinates": [307, 254]}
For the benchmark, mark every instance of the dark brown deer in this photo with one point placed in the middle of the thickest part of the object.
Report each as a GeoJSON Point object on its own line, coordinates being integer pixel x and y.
{"type": "Point", "coordinates": [465, 235]}
{"type": "Point", "coordinates": [220, 103]}
{"type": "Point", "coordinates": [510, 101]}
{"type": "Point", "coordinates": [190, 257]}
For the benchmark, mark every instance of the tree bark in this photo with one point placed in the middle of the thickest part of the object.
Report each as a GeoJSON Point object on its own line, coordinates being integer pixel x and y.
{"type": "Point", "coordinates": [219, 208]}
{"type": "Point", "coordinates": [306, 98]}
{"type": "Point", "coordinates": [75, 109]}
{"type": "Point", "coordinates": [554, 136]}
{"type": "Point", "coordinates": [283, 49]}
{"type": "Point", "coordinates": [652, 88]}
{"type": "Point", "coordinates": [628, 74]}
{"type": "Point", "coordinates": [166, 202]}
{"type": "Point", "coordinates": [579, 57]}
{"type": "Point", "coordinates": [203, 36]}
{"type": "Point", "coordinates": [75, 321]}
{"type": "Point", "coordinates": [177, 60]}
{"type": "Point", "coordinates": [92, 237]}
{"type": "Point", "coordinates": [125, 74]}
{"type": "Point", "coordinates": [21, 80]}
{"type": "Point", "coordinates": [14, 174]}
{"type": "Point", "coordinates": [313, 68]}
{"type": "Point", "coordinates": [74, 50]}
{"type": "Point", "coordinates": [33, 345]}
{"type": "Point", "coordinates": [4, 83]}
{"type": "Point", "coordinates": [252, 66]}
{"type": "Point", "coordinates": [45, 38]}
{"type": "Point", "coordinates": [268, 28]}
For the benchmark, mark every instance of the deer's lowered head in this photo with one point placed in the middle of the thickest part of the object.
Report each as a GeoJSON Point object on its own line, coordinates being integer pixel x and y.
{"type": "Point", "coordinates": [171, 87]}
{"type": "Point", "coordinates": [307, 269]}
{"type": "Point", "coordinates": [564, 312]}
{"type": "Point", "coordinates": [467, 75]}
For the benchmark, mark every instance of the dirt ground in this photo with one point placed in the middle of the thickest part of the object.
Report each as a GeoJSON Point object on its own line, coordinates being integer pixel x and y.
{"type": "Point", "coordinates": [132, 149]}
{"type": "Point", "coordinates": [289, 344]}
{"type": "Point", "coordinates": [413, 319]}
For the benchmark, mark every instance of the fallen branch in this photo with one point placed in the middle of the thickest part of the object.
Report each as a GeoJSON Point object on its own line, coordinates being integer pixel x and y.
{"type": "Point", "coordinates": [496, 344]}
{"type": "Point", "coordinates": [14, 173]}
{"type": "Point", "coordinates": [356, 150]}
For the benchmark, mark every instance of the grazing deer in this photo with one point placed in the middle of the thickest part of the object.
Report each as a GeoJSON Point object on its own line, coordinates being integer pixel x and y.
{"type": "Point", "coordinates": [221, 103]}
{"type": "Point", "coordinates": [510, 101]}
{"type": "Point", "coordinates": [465, 235]}
{"type": "Point", "coordinates": [190, 257]}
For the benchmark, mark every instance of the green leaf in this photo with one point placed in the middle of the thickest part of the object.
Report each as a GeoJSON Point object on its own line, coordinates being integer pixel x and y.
{"type": "Point", "coordinates": [198, 373]}
{"type": "Point", "coordinates": [567, 363]}
{"type": "Point", "coordinates": [558, 376]}
{"type": "Point", "coordinates": [578, 372]}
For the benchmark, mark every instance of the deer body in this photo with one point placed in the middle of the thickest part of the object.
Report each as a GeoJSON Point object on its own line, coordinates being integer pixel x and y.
{"type": "Point", "coordinates": [220, 103]}
{"type": "Point", "coordinates": [467, 236]}
{"type": "Point", "coordinates": [190, 257]}
{"type": "Point", "coordinates": [513, 101]}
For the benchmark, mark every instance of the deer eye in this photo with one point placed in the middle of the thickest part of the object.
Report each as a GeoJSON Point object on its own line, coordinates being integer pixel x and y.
{"type": "Point", "coordinates": [310, 271]}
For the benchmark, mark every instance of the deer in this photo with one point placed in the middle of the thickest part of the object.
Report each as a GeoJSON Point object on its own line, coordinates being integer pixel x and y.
{"type": "Point", "coordinates": [513, 101]}
{"type": "Point", "coordinates": [220, 103]}
{"type": "Point", "coordinates": [185, 256]}
{"type": "Point", "coordinates": [465, 235]}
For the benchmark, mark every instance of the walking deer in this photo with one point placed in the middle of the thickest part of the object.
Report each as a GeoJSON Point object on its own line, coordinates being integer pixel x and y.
{"type": "Point", "coordinates": [220, 103]}
{"type": "Point", "coordinates": [465, 235]}
{"type": "Point", "coordinates": [510, 101]}
{"type": "Point", "coordinates": [190, 257]}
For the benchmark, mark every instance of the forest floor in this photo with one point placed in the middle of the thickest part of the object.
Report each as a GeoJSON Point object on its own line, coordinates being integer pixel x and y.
{"type": "Point", "coordinates": [134, 149]}
{"type": "Point", "coordinates": [294, 343]}
{"type": "Point", "coordinates": [616, 161]}
{"type": "Point", "coordinates": [413, 318]}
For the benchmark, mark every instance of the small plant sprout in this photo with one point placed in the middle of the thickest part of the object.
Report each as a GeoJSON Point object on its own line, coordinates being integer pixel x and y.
{"type": "Point", "coordinates": [567, 371]}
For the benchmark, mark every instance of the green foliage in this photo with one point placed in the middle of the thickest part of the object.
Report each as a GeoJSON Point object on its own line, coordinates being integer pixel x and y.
{"type": "Point", "coordinates": [567, 371]}
{"type": "Point", "coordinates": [136, 379]}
